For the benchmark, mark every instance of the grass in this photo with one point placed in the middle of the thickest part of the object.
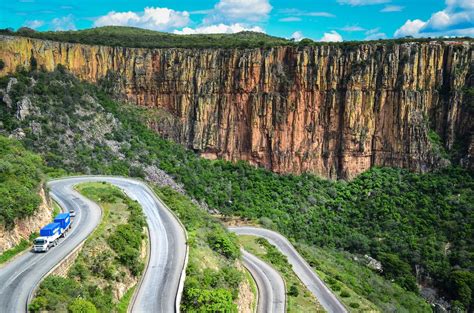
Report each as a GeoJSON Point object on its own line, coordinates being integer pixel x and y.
{"type": "Point", "coordinates": [304, 301]}
{"type": "Point", "coordinates": [56, 209]}
{"type": "Point", "coordinates": [93, 191]}
{"type": "Point", "coordinates": [123, 304]}
{"type": "Point", "coordinates": [10, 253]}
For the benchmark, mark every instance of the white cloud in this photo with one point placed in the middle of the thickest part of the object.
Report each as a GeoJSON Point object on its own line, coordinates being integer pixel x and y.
{"type": "Point", "coordinates": [392, 8]}
{"type": "Point", "coordinates": [332, 36]}
{"type": "Point", "coordinates": [239, 10]}
{"type": "Point", "coordinates": [290, 19]}
{"type": "Point", "coordinates": [463, 4]}
{"type": "Point", "coordinates": [64, 23]}
{"type": "Point", "coordinates": [218, 29]}
{"type": "Point", "coordinates": [410, 28]}
{"type": "Point", "coordinates": [362, 2]}
{"type": "Point", "coordinates": [34, 24]}
{"type": "Point", "coordinates": [154, 18]}
{"type": "Point", "coordinates": [374, 34]}
{"type": "Point", "coordinates": [297, 36]}
{"type": "Point", "coordinates": [321, 14]}
{"type": "Point", "coordinates": [297, 12]}
{"type": "Point", "coordinates": [352, 28]}
{"type": "Point", "coordinates": [457, 19]}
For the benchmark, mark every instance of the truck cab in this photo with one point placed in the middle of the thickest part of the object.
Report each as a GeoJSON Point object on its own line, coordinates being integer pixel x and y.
{"type": "Point", "coordinates": [41, 244]}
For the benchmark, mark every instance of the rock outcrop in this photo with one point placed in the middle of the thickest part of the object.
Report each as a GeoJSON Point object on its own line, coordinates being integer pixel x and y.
{"type": "Point", "coordinates": [24, 227]}
{"type": "Point", "coordinates": [331, 110]}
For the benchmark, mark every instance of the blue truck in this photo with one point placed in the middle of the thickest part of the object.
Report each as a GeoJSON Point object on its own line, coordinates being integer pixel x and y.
{"type": "Point", "coordinates": [63, 219]}
{"type": "Point", "coordinates": [50, 234]}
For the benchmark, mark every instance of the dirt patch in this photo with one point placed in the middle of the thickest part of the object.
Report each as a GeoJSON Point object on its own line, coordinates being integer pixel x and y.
{"type": "Point", "coordinates": [246, 300]}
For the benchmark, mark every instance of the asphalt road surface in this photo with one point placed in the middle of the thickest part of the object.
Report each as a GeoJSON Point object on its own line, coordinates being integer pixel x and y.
{"type": "Point", "coordinates": [271, 288]}
{"type": "Point", "coordinates": [327, 299]}
{"type": "Point", "coordinates": [160, 288]}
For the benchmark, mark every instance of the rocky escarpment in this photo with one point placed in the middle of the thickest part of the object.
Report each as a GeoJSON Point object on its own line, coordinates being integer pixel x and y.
{"type": "Point", "coordinates": [331, 110]}
{"type": "Point", "coordinates": [24, 227]}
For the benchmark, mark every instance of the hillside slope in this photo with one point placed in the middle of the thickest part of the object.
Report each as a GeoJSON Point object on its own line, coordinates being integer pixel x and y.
{"type": "Point", "coordinates": [24, 203]}
{"type": "Point", "coordinates": [419, 226]}
{"type": "Point", "coordinates": [332, 110]}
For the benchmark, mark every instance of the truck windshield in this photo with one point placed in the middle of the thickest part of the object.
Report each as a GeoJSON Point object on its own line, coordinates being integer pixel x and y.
{"type": "Point", "coordinates": [39, 241]}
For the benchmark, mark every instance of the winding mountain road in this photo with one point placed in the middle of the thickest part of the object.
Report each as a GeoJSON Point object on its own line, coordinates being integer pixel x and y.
{"type": "Point", "coordinates": [301, 268]}
{"type": "Point", "coordinates": [162, 283]}
{"type": "Point", "coordinates": [271, 287]}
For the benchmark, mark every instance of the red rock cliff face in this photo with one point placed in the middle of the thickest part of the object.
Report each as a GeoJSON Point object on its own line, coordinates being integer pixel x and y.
{"type": "Point", "coordinates": [328, 110]}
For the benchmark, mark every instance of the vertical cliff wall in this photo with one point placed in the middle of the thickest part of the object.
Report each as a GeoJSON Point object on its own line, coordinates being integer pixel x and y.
{"type": "Point", "coordinates": [331, 110]}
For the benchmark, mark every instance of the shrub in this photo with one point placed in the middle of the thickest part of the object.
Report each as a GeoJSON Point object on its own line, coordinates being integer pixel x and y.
{"type": "Point", "coordinates": [293, 291]}
{"type": "Point", "coordinates": [345, 294]}
{"type": "Point", "coordinates": [82, 306]}
{"type": "Point", "coordinates": [354, 305]}
{"type": "Point", "coordinates": [202, 300]}
{"type": "Point", "coordinates": [224, 242]}
{"type": "Point", "coordinates": [38, 304]}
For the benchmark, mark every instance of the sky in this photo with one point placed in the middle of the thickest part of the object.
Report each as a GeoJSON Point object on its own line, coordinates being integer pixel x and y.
{"type": "Point", "coordinates": [321, 20]}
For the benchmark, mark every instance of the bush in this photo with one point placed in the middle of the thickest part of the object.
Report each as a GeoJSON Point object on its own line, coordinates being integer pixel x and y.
{"type": "Point", "coordinates": [126, 242]}
{"type": "Point", "coordinates": [345, 294]}
{"type": "Point", "coordinates": [219, 300]}
{"type": "Point", "coordinates": [38, 304]}
{"type": "Point", "coordinates": [224, 243]}
{"type": "Point", "coordinates": [354, 305]}
{"type": "Point", "coordinates": [293, 291]}
{"type": "Point", "coordinates": [82, 306]}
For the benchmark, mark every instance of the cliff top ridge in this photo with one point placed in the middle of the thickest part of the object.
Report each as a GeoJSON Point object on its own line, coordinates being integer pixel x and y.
{"type": "Point", "coordinates": [142, 38]}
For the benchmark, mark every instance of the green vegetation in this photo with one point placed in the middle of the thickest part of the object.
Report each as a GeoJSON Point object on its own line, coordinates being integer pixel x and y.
{"type": "Point", "coordinates": [81, 306]}
{"type": "Point", "coordinates": [368, 291]}
{"type": "Point", "coordinates": [437, 144]}
{"type": "Point", "coordinates": [212, 280]}
{"type": "Point", "coordinates": [20, 180]}
{"type": "Point", "coordinates": [124, 302]}
{"type": "Point", "coordinates": [403, 219]}
{"type": "Point", "coordinates": [10, 253]}
{"type": "Point", "coordinates": [299, 298]}
{"type": "Point", "coordinates": [56, 209]}
{"type": "Point", "coordinates": [91, 283]}
{"type": "Point", "coordinates": [143, 38]}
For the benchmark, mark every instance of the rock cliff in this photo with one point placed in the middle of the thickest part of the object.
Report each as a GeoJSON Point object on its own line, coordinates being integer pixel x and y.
{"type": "Point", "coordinates": [331, 110]}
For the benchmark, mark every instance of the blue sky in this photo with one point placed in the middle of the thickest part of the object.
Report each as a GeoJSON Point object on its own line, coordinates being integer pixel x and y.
{"type": "Point", "coordinates": [327, 20]}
